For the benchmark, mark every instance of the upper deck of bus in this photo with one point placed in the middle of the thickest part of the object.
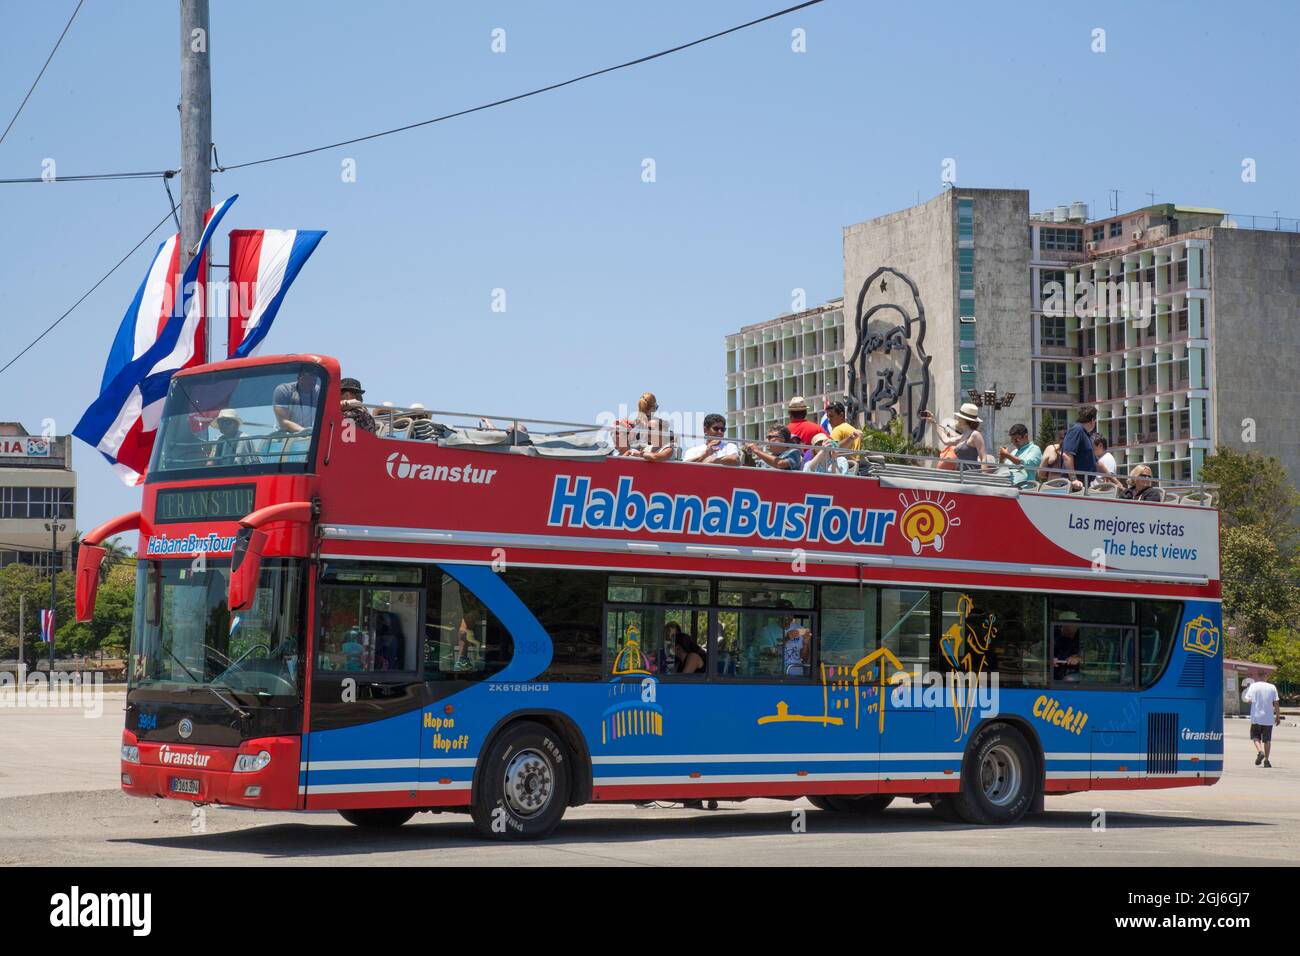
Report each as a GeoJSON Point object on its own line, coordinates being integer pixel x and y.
{"type": "Point", "coordinates": [433, 485]}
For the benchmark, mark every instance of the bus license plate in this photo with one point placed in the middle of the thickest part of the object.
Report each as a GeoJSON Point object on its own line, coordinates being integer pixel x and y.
{"type": "Point", "coordinates": [181, 785]}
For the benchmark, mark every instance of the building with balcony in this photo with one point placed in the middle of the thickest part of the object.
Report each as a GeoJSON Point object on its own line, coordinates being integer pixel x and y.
{"type": "Point", "coordinates": [771, 362]}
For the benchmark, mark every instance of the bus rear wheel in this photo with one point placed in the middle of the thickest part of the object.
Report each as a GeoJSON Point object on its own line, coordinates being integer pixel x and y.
{"type": "Point", "coordinates": [868, 805]}
{"type": "Point", "coordinates": [523, 784]}
{"type": "Point", "coordinates": [999, 776]}
{"type": "Point", "coordinates": [386, 818]}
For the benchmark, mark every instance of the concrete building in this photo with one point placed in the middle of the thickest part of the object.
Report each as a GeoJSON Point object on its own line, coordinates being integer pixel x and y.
{"type": "Point", "coordinates": [771, 362]}
{"type": "Point", "coordinates": [37, 486]}
{"type": "Point", "coordinates": [1177, 322]}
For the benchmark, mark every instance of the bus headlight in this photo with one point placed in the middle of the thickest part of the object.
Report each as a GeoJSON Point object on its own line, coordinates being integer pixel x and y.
{"type": "Point", "coordinates": [130, 753]}
{"type": "Point", "coordinates": [251, 763]}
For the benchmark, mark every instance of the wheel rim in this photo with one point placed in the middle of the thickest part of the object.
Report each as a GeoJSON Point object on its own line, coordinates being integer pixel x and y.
{"type": "Point", "coordinates": [1000, 774]}
{"type": "Point", "coordinates": [529, 783]}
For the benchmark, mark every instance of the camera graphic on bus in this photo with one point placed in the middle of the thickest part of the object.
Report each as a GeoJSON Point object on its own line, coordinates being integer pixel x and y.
{"type": "Point", "coordinates": [1201, 636]}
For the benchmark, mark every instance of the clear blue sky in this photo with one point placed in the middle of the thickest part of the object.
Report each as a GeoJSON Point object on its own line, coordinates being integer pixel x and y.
{"type": "Point", "coordinates": [613, 285]}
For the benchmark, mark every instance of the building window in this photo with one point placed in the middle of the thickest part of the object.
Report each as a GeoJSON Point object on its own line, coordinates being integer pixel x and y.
{"type": "Point", "coordinates": [26, 503]}
{"type": "Point", "coordinates": [1053, 239]}
{"type": "Point", "coordinates": [1054, 378]}
{"type": "Point", "coordinates": [1098, 233]}
{"type": "Point", "coordinates": [1116, 229]}
{"type": "Point", "coordinates": [1053, 331]}
{"type": "Point", "coordinates": [966, 219]}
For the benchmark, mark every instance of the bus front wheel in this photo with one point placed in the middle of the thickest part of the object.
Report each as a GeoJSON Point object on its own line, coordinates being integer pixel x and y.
{"type": "Point", "coordinates": [523, 784]}
{"type": "Point", "coordinates": [999, 776]}
{"type": "Point", "coordinates": [385, 818]}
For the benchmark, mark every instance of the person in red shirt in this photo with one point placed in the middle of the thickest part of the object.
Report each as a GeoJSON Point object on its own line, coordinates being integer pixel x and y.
{"type": "Point", "coordinates": [803, 430]}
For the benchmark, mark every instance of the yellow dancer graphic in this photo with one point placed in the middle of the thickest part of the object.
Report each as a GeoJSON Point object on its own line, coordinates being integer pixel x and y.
{"type": "Point", "coordinates": [966, 651]}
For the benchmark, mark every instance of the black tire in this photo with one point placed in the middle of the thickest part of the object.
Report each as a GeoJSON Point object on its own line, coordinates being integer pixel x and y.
{"type": "Point", "coordinates": [868, 805]}
{"type": "Point", "coordinates": [386, 818]}
{"type": "Point", "coordinates": [537, 762]}
{"type": "Point", "coordinates": [820, 802]}
{"type": "Point", "coordinates": [946, 808]}
{"type": "Point", "coordinates": [999, 776]}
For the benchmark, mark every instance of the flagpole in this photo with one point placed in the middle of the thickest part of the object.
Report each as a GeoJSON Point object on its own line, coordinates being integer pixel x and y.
{"type": "Point", "coordinates": [196, 141]}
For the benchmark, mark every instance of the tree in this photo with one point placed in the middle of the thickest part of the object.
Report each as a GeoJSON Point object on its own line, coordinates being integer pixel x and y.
{"type": "Point", "coordinates": [1282, 648]}
{"type": "Point", "coordinates": [893, 440]}
{"type": "Point", "coordinates": [1259, 582]}
{"type": "Point", "coordinates": [32, 586]}
{"type": "Point", "coordinates": [1254, 490]}
{"type": "Point", "coordinates": [1047, 429]}
{"type": "Point", "coordinates": [110, 630]}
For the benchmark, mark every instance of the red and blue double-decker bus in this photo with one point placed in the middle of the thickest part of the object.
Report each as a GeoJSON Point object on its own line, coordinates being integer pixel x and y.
{"type": "Point", "coordinates": [508, 623]}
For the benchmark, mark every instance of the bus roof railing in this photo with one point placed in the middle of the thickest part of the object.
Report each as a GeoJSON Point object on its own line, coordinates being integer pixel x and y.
{"type": "Point", "coordinates": [860, 462]}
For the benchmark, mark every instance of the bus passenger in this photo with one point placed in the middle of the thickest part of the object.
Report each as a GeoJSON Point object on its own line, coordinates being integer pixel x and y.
{"type": "Point", "coordinates": [1023, 456]}
{"type": "Point", "coordinates": [967, 442]}
{"type": "Point", "coordinates": [688, 654]}
{"type": "Point", "coordinates": [294, 403]}
{"type": "Point", "coordinates": [1140, 485]}
{"type": "Point", "coordinates": [1076, 449]}
{"type": "Point", "coordinates": [350, 395]}
{"type": "Point", "coordinates": [794, 647]}
{"type": "Point", "coordinates": [799, 426]}
{"type": "Point", "coordinates": [716, 449]}
{"type": "Point", "coordinates": [1052, 460]}
{"type": "Point", "coordinates": [233, 447]}
{"type": "Point", "coordinates": [648, 437]}
{"type": "Point", "coordinates": [776, 456]}
{"type": "Point", "coordinates": [1065, 648]}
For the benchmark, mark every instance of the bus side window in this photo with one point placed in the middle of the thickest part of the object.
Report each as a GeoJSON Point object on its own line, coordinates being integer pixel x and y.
{"type": "Point", "coordinates": [1094, 641]}
{"type": "Point", "coordinates": [1157, 624]}
{"type": "Point", "coordinates": [994, 631]}
{"type": "Point", "coordinates": [847, 624]}
{"type": "Point", "coordinates": [463, 640]}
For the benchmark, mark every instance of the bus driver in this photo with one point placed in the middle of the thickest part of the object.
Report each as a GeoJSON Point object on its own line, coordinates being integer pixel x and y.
{"type": "Point", "coordinates": [1065, 648]}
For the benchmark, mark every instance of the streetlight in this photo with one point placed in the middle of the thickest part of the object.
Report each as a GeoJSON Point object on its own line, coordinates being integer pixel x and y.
{"type": "Point", "coordinates": [53, 527]}
{"type": "Point", "coordinates": [990, 399]}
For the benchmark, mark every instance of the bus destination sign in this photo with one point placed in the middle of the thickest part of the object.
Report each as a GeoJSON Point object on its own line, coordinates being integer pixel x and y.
{"type": "Point", "coordinates": [226, 502]}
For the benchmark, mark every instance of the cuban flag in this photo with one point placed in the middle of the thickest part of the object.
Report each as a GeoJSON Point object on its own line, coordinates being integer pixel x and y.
{"type": "Point", "coordinates": [149, 348]}
{"type": "Point", "coordinates": [826, 416]}
{"type": "Point", "coordinates": [263, 264]}
{"type": "Point", "coordinates": [47, 625]}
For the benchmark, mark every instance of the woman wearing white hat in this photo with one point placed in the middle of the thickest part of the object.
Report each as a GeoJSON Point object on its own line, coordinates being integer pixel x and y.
{"type": "Point", "coordinates": [967, 443]}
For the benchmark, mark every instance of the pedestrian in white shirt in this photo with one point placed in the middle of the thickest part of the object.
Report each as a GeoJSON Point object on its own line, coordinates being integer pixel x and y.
{"type": "Point", "coordinates": [1265, 713]}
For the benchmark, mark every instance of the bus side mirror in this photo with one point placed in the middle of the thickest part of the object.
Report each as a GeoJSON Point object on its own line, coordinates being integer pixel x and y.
{"type": "Point", "coordinates": [245, 568]}
{"type": "Point", "coordinates": [89, 560]}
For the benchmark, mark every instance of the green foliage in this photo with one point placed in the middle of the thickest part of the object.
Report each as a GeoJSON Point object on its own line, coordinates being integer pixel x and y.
{"type": "Point", "coordinates": [1047, 429]}
{"type": "Point", "coordinates": [893, 440]}
{"type": "Point", "coordinates": [1282, 648]}
{"type": "Point", "coordinates": [1254, 490]}
{"type": "Point", "coordinates": [110, 629]}
{"type": "Point", "coordinates": [1259, 590]}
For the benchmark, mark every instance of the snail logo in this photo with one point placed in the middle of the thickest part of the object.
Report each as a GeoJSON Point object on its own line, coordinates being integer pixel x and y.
{"type": "Point", "coordinates": [926, 520]}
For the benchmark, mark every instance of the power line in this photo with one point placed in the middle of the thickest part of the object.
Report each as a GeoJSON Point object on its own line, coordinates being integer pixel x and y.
{"type": "Point", "coordinates": [101, 281]}
{"type": "Point", "coordinates": [42, 73]}
{"type": "Point", "coordinates": [217, 168]}
{"type": "Point", "coordinates": [94, 177]}
{"type": "Point", "coordinates": [520, 96]}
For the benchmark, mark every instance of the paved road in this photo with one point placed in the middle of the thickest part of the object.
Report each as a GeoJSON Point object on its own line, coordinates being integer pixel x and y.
{"type": "Point", "coordinates": [59, 805]}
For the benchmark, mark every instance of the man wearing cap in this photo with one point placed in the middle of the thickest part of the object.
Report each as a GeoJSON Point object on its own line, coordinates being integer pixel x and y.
{"type": "Point", "coordinates": [350, 392]}
{"type": "Point", "coordinates": [232, 446]}
{"type": "Point", "coordinates": [802, 429]}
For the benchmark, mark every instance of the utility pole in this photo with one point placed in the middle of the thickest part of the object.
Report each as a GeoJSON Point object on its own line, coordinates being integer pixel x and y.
{"type": "Point", "coordinates": [196, 138]}
{"type": "Point", "coordinates": [55, 527]}
{"type": "Point", "coordinates": [22, 660]}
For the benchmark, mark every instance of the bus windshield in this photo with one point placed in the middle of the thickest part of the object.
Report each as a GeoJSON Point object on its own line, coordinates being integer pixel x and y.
{"type": "Point", "coordinates": [241, 421]}
{"type": "Point", "coordinates": [184, 635]}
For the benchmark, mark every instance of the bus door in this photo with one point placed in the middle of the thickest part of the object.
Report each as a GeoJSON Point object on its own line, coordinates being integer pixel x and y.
{"type": "Point", "coordinates": [367, 687]}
